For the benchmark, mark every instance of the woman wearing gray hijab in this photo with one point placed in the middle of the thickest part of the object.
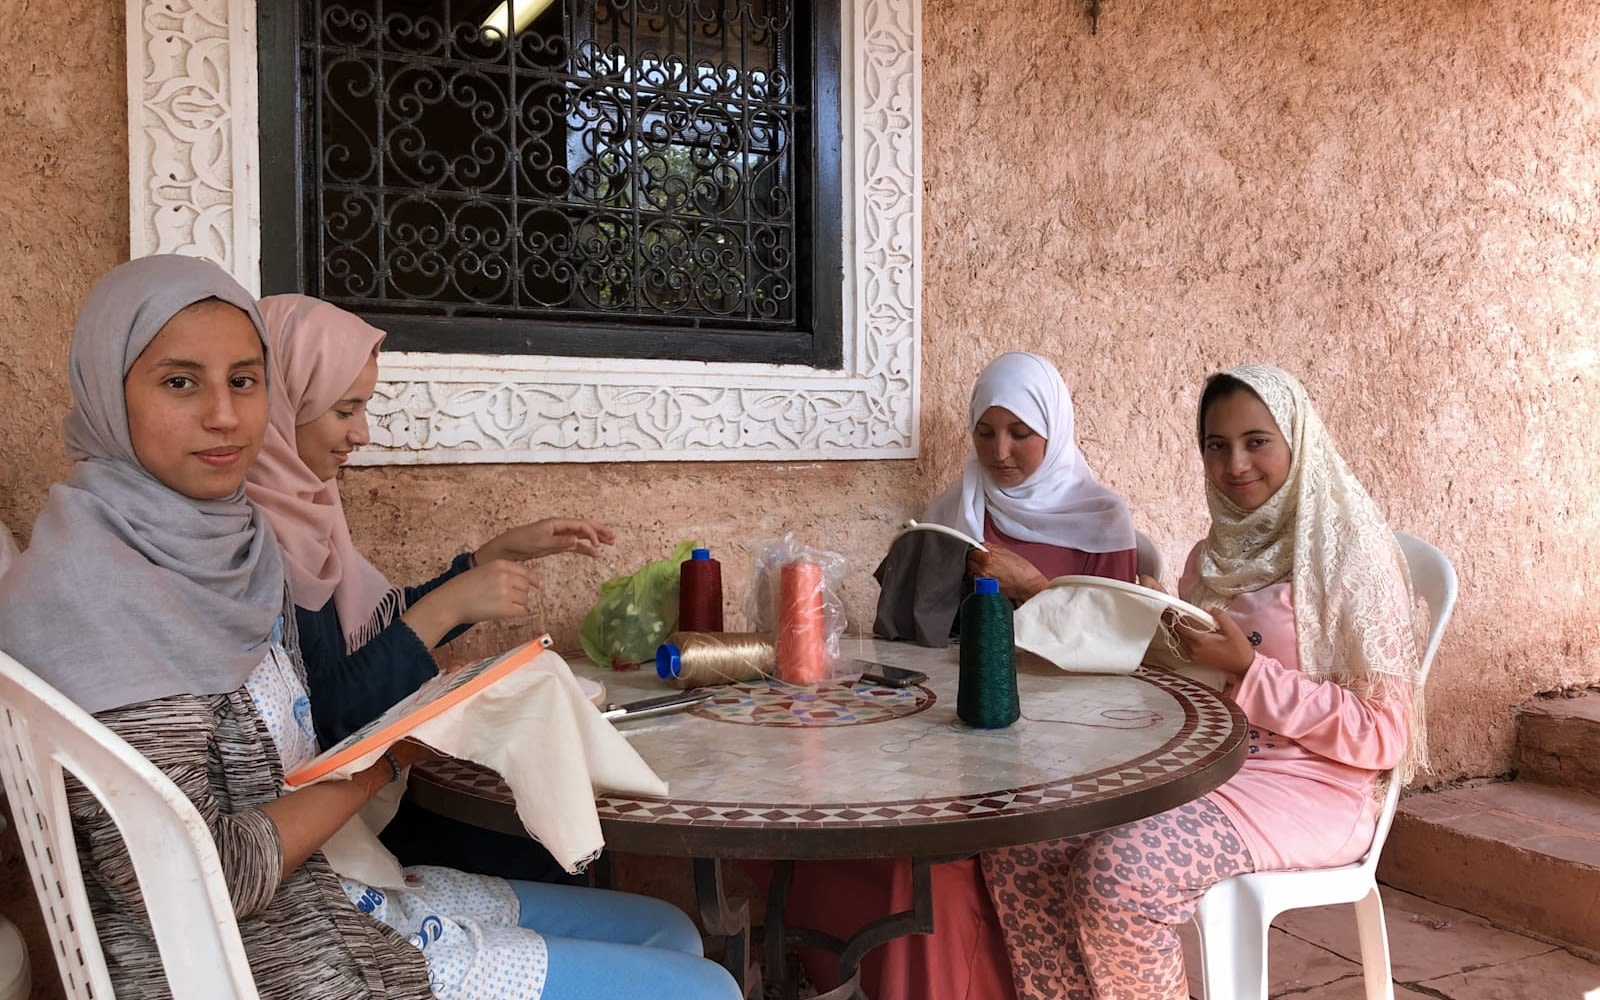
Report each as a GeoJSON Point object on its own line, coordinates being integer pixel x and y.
{"type": "Point", "coordinates": [150, 592]}
{"type": "Point", "coordinates": [153, 595]}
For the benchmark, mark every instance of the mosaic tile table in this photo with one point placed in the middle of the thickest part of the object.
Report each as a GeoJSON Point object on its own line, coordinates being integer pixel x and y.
{"type": "Point", "coordinates": [852, 770]}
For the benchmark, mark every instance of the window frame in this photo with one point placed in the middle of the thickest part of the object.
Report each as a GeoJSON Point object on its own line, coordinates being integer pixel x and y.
{"type": "Point", "coordinates": [194, 187]}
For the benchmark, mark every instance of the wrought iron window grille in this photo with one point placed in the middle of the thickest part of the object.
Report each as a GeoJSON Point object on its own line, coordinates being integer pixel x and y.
{"type": "Point", "coordinates": [625, 178]}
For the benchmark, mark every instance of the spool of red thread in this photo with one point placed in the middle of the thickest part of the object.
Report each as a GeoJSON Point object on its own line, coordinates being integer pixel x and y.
{"type": "Point", "coordinates": [700, 593]}
{"type": "Point", "coordinates": [801, 627]}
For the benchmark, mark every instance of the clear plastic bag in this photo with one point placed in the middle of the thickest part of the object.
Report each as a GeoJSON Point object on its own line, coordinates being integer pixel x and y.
{"type": "Point", "coordinates": [635, 612]}
{"type": "Point", "coordinates": [784, 564]}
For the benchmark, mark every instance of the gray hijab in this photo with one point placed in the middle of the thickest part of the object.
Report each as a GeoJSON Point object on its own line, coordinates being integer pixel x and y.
{"type": "Point", "coordinates": [130, 591]}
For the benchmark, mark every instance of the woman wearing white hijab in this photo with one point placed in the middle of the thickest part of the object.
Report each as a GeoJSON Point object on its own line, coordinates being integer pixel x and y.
{"type": "Point", "coordinates": [1028, 493]}
{"type": "Point", "coordinates": [1314, 605]}
{"type": "Point", "coordinates": [1026, 489]}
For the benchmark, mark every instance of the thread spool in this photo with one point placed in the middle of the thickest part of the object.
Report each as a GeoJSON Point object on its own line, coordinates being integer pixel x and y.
{"type": "Point", "coordinates": [801, 630]}
{"type": "Point", "coordinates": [700, 593]}
{"type": "Point", "coordinates": [700, 659]}
{"type": "Point", "coordinates": [986, 695]}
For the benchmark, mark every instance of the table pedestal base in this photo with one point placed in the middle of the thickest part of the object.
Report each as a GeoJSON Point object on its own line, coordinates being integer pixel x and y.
{"type": "Point", "coordinates": [727, 926]}
{"type": "Point", "coordinates": [731, 926]}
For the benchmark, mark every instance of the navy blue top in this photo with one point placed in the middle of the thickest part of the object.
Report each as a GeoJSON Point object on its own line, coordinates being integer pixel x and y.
{"type": "Point", "coordinates": [348, 690]}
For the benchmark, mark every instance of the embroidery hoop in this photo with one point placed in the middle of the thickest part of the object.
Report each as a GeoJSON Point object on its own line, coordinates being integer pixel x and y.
{"type": "Point", "coordinates": [1188, 613]}
{"type": "Point", "coordinates": [912, 524]}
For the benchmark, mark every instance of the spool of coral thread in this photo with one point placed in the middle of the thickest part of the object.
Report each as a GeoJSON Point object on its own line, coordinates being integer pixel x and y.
{"type": "Point", "coordinates": [801, 631]}
{"type": "Point", "coordinates": [700, 593]}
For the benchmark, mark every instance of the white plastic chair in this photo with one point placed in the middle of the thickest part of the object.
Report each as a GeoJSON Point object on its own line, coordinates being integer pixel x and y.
{"type": "Point", "coordinates": [42, 733]}
{"type": "Point", "coordinates": [1236, 913]}
{"type": "Point", "coordinates": [1147, 556]}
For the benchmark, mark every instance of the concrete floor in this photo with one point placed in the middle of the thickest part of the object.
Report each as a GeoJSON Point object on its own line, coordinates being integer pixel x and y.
{"type": "Point", "coordinates": [1437, 954]}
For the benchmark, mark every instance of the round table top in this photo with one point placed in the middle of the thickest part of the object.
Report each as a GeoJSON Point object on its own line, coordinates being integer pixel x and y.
{"type": "Point", "coordinates": [854, 770]}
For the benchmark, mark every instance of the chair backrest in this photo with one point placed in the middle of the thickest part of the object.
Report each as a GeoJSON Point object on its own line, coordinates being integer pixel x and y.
{"type": "Point", "coordinates": [1434, 580]}
{"type": "Point", "coordinates": [1147, 556]}
{"type": "Point", "coordinates": [43, 733]}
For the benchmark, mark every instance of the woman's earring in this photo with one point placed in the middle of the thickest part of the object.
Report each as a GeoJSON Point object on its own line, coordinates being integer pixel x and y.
{"type": "Point", "coordinates": [1255, 638]}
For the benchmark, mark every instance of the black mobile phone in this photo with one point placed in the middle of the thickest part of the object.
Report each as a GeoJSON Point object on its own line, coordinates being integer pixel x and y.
{"type": "Point", "coordinates": [895, 677]}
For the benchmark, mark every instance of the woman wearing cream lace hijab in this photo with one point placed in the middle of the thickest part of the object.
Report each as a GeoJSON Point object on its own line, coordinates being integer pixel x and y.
{"type": "Point", "coordinates": [1314, 606]}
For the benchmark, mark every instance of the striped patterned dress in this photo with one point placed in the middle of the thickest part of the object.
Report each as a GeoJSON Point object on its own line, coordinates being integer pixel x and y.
{"type": "Point", "coordinates": [302, 935]}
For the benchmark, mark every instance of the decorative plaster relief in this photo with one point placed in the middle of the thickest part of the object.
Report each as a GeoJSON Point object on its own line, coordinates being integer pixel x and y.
{"type": "Point", "coordinates": [194, 151]}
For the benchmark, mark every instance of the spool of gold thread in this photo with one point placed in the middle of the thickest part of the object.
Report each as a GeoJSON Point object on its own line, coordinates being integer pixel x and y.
{"type": "Point", "coordinates": [700, 659]}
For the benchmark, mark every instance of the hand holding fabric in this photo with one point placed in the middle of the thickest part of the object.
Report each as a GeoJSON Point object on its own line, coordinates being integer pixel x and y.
{"type": "Point", "coordinates": [1227, 649]}
{"type": "Point", "coordinates": [547, 537]}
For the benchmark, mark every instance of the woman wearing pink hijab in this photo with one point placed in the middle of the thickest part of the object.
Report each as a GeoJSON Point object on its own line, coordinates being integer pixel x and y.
{"type": "Point", "coordinates": [366, 642]}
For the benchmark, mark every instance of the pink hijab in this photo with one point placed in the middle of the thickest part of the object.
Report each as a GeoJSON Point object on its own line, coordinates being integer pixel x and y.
{"type": "Point", "coordinates": [316, 350]}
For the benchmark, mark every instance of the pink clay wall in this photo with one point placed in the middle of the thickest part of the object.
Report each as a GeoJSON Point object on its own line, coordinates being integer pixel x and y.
{"type": "Point", "coordinates": [1397, 200]}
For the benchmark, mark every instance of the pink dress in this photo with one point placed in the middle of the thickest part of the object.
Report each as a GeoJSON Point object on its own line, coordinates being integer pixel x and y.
{"type": "Point", "coordinates": [965, 957]}
{"type": "Point", "coordinates": [1304, 797]}
{"type": "Point", "coordinates": [1097, 915]}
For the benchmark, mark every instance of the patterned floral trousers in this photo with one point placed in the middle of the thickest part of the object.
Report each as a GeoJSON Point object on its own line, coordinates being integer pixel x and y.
{"type": "Point", "coordinates": [1096, 917]}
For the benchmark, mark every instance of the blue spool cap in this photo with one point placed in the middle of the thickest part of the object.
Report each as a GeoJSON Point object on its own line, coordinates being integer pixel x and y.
{"type": "Point", "coordinates": [700, 554]}
{"type": "Point", "coordinates": [669, 661]}
{"type": "Point", "coordinates": [987, 585]}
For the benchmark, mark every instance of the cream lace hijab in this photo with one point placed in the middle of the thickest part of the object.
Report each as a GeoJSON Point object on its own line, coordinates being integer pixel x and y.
{"type": "Point", "coordinates": [1352, 592]}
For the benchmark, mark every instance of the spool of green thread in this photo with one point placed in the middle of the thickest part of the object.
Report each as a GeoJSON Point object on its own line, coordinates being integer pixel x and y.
{"type": "Point", "coordinates": [986, 695]}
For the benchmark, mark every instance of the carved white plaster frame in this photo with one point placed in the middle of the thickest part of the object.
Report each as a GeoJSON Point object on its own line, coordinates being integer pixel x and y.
{"type": "Point", "coordinates": [193, 130]}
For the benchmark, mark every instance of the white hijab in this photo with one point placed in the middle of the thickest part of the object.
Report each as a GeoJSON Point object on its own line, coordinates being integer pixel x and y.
{"type": "Point", "coordinates": [1061, 504]}
{"type": "Point", "coordinates": [1352, 592]}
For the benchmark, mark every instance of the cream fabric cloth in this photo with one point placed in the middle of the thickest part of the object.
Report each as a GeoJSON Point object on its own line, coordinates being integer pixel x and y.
{"type": "Point", "coordinates": [1352, 610]}
{"type": "Point", "coordinates": [538, 730]}
{"type": "Point", "coordinates": [1088, 629]}
{"type": "Point", "coordinates": [1102, 630]}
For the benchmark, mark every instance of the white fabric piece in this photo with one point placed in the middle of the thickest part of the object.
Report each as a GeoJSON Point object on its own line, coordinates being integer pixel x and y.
{"type": "Point", "coordinates": [1061, 504]}
{"type": "Point", "coordinates": [467, 929]}
{"type": "Point", "coordinates": [1097, 628]}
{"type": "Point", "coordinates": [1088, 629]}
{"type": "Point", "coordinates": [537, 729]}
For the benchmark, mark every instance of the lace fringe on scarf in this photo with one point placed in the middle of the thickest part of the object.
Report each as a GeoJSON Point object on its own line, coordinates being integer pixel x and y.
{"type": "Point", "coordinates": [391, 607]}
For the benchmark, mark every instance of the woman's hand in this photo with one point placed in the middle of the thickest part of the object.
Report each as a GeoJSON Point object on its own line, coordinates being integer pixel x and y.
{"type": "Point", "coordinates": [545, 538]}
{"type": "Point", "coordinates": [1019, 580]}
{"type": "Point", "coordinates": [486, 592]}
{"type": "Point", "coordinates": [409, 751]}
{"type": "Point", "coordinates": [1226, 649]}
{"type": "Point", "coordinates": [1146, 580]}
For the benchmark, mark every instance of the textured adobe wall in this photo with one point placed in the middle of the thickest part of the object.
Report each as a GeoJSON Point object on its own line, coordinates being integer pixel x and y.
{"type": "Point", "coordinates": [1394, 200]}
{"type": "Point", "coordinates": [63, 220]}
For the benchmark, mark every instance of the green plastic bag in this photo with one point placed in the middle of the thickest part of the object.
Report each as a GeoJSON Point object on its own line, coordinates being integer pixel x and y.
{"type": "Point", "coordinates": [635, 614]}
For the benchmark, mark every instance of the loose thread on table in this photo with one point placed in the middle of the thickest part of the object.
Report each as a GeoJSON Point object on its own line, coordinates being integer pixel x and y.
{"type": "Point", "coordinates": [1144, 716]}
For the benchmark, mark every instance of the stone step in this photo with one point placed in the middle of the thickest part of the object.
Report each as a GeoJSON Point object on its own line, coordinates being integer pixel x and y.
{"type": "Point", "coordinates": [1558, 742]}
{"type": "Point", "coordinates": [1522, 854]}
